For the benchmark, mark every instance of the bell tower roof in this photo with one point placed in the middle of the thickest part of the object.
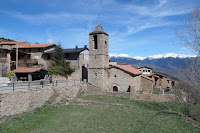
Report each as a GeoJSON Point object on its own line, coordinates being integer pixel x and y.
{"type": "Point", "coordinates": [98, 30]}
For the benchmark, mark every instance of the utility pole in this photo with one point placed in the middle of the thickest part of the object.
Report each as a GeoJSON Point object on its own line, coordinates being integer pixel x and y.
{"type": "Point", "coordinates": [17, 55]}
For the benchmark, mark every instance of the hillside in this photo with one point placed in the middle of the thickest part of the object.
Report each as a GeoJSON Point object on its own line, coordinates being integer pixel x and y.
{"type": "Point", "coordinates": [6, 40]}
{"type": "Point", "coordinates": [170, 64]}
{"type": "Point", "coordinates": [101, 114]}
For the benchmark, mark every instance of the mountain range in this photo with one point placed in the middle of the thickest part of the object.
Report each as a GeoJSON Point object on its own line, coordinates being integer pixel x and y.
{"type": "Point", "coordinates": [170, 63]}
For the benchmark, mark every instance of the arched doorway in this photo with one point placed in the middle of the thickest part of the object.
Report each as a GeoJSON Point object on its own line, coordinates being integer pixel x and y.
{"type": "Point", "coordinates": [84, 73]}
{"type": "Point", "coordinates": [115, 88]}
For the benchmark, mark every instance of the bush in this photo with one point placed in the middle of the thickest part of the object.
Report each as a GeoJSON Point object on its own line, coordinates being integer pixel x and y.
{"type": "Point", "coordinates": [10, 74]}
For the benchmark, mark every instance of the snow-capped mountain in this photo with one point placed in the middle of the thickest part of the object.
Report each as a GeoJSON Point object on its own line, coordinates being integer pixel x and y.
{"type": "Point", "coordinates": [166, 63]}
{"type": "Point", "coordinates": [158, 56]}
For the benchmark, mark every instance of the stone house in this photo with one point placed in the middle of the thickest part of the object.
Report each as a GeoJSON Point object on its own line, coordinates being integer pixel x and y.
{"type": "Point", "coordinates": [147, 84]}
{"type": "Point", "coordinates": [8, 60]}
{"type": "Point", "coordinates": [121, 76]}
{"type": "Point", "coordinates": [36, 51]}
{"type": "Point", "coordinates": [10, 45]}
{"type": "Point", "coordinates": [163, 81]}
{"type": "Point", "coordinates": [145, 70]}
{"type": "Point", "coordinates": [79, 60]}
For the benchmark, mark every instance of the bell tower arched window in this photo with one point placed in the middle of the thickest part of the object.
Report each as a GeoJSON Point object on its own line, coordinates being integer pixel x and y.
{"type": "Point", "coordinates": [95, 42]}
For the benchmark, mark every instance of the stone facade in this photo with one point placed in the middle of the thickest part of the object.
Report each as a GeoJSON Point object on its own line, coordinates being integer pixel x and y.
{"type": "Point", "coordinates": [147, 84]}
{"type": "Point", "coordinates": [37, 55]}
{"type": "Point", "coordinates": [122, 80]}
{"type": "Point", "coordinates": [98, 59]}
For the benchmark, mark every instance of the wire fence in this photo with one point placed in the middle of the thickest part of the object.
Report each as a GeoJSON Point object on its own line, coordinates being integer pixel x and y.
{"type": "Point", "coordinates": [24, 85]}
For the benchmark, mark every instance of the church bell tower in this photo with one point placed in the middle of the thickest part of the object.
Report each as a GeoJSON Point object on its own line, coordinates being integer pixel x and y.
{"type": "Point", "coordinates": [98, 57]}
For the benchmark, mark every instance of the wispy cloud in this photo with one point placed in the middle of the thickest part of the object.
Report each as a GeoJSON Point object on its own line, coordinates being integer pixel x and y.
{"type": "Point", "coordinates": [121, 19]}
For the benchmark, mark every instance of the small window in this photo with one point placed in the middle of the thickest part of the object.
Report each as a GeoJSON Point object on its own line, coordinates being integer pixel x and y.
{"type": "Point", "coordinates": [115, 76]}
{"type": "Point", "coordinates": [95, 74]}
{"type": "Point", "coordinates": [105, 43]}
{"type": "Point", "coordinates": [95, 42]}
{"type": "Point", "coordinates": [29, 50]}
{"type": "Point", "coordinates": [143, 70]}
{"type": "Point", "coordinates": [148, 70]}
{"type": "Point", "coordinates": [48, 57]}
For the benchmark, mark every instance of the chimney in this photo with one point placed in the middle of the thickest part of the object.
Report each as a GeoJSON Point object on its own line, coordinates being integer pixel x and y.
{"type": "Point", "coordinates": [85, 46]}
{"type": "Point", "coordinates": [76, 46]}
{"type": "Point", "coordinates": [36, 43]}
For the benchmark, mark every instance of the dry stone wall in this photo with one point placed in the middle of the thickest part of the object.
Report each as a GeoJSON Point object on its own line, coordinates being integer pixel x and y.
{"type": "Point", "coordinates": [18, 102]}
{"type": "Point", "coordinates": [12, 103]}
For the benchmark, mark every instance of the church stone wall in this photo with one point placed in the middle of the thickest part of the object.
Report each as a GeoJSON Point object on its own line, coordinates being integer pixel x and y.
{"type": "Point", "coordinates": [122, 80]}
{"type": "Point", "coordinates": [98, 77]}
{"type": "Point", "coordinates": [98, 61]}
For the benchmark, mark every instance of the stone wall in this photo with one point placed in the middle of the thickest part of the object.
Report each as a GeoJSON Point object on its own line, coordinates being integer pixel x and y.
{"type": "Point", "coordinates": [89, 89]}
{"type": "Point", "coordinates": [156, 97]}
{"type": "Point", "coordinates": [98, 61]}
{"type": "Point", "coordinates": [146, 84]}
{"type": "Point", "coordinates": [122, 80]}
{"type": "Point", "coordinates": [77, 76]}
{"type": "Point", "coordinates": [152, 97]}
{"type": "Point", "coordinates": [22, 101]}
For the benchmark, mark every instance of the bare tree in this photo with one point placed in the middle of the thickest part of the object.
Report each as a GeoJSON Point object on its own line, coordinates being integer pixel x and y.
{"type": "Point", "coordinates": [189, 34]}
{"type": "Point", "coordinates": [190, 31]}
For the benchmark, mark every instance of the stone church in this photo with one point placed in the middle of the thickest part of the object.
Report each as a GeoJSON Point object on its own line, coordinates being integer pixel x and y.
{"type": "Point", "coordinates": [105, 75]}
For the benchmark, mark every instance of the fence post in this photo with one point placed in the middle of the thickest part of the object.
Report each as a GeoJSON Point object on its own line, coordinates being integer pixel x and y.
{"type": "Point", "coordinates": [28, 85]}
{"type": "Point", "coordinates": [13, 86]}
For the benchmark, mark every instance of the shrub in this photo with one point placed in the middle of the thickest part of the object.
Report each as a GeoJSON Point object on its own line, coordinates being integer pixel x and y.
{"type": "Point", "coordinates": [10, 74]}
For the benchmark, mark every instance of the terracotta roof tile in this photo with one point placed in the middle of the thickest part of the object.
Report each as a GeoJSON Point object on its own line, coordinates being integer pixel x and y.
{"type": "Point", "coordinates": [26, 70]}
{"type": "Point", "coordinates": [127, 68]}
{"type": "Point", "coordinates": [147, 78]}
{"type": "Point", "coordinates": [156, 74]}
{"type": "Point", "coordinates": [11, 42]}
{"type": "Point", "coordinates": [35, 45]}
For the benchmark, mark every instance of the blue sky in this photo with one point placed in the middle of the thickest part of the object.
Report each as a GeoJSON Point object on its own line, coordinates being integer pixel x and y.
{"type": "Point", "coordinates": [135, 27]}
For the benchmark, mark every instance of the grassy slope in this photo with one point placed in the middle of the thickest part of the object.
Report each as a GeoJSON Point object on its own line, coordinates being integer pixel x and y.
{"type": "Point", "coordinates": [99, 118]}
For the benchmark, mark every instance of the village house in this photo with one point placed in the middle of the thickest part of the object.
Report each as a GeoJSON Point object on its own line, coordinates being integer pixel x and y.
{"type": "Point", "coordinates": [162, 81]}
{"type": "Point", "coordinates": [8, 60]}
{"type": "Point", "coordinates": [36, 51]}
{"type": "Point", "coordinates": [10, 45]}
{"type": "Point", "coordinates": [145, 70]}
{"type": "Point", "coordinates": [79, 60]}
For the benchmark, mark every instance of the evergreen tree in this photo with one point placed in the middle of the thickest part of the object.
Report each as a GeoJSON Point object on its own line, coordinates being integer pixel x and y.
{"type": "Point", "coordinates": [59, 66]}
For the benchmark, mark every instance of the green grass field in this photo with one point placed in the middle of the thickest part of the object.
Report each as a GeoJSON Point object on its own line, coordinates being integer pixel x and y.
{"type": "Point", "coordinates": [130, 116]}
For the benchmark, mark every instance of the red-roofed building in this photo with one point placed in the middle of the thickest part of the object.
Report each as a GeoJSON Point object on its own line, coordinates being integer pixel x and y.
{"type": "Point", "coordinates": [37, 51]}
{"type": "Point", "coordinates": [121, 76]}
{"type": "Point", "coordinates": [10, 45]}
{"type": "Point", "coordinates": [29, 74]}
